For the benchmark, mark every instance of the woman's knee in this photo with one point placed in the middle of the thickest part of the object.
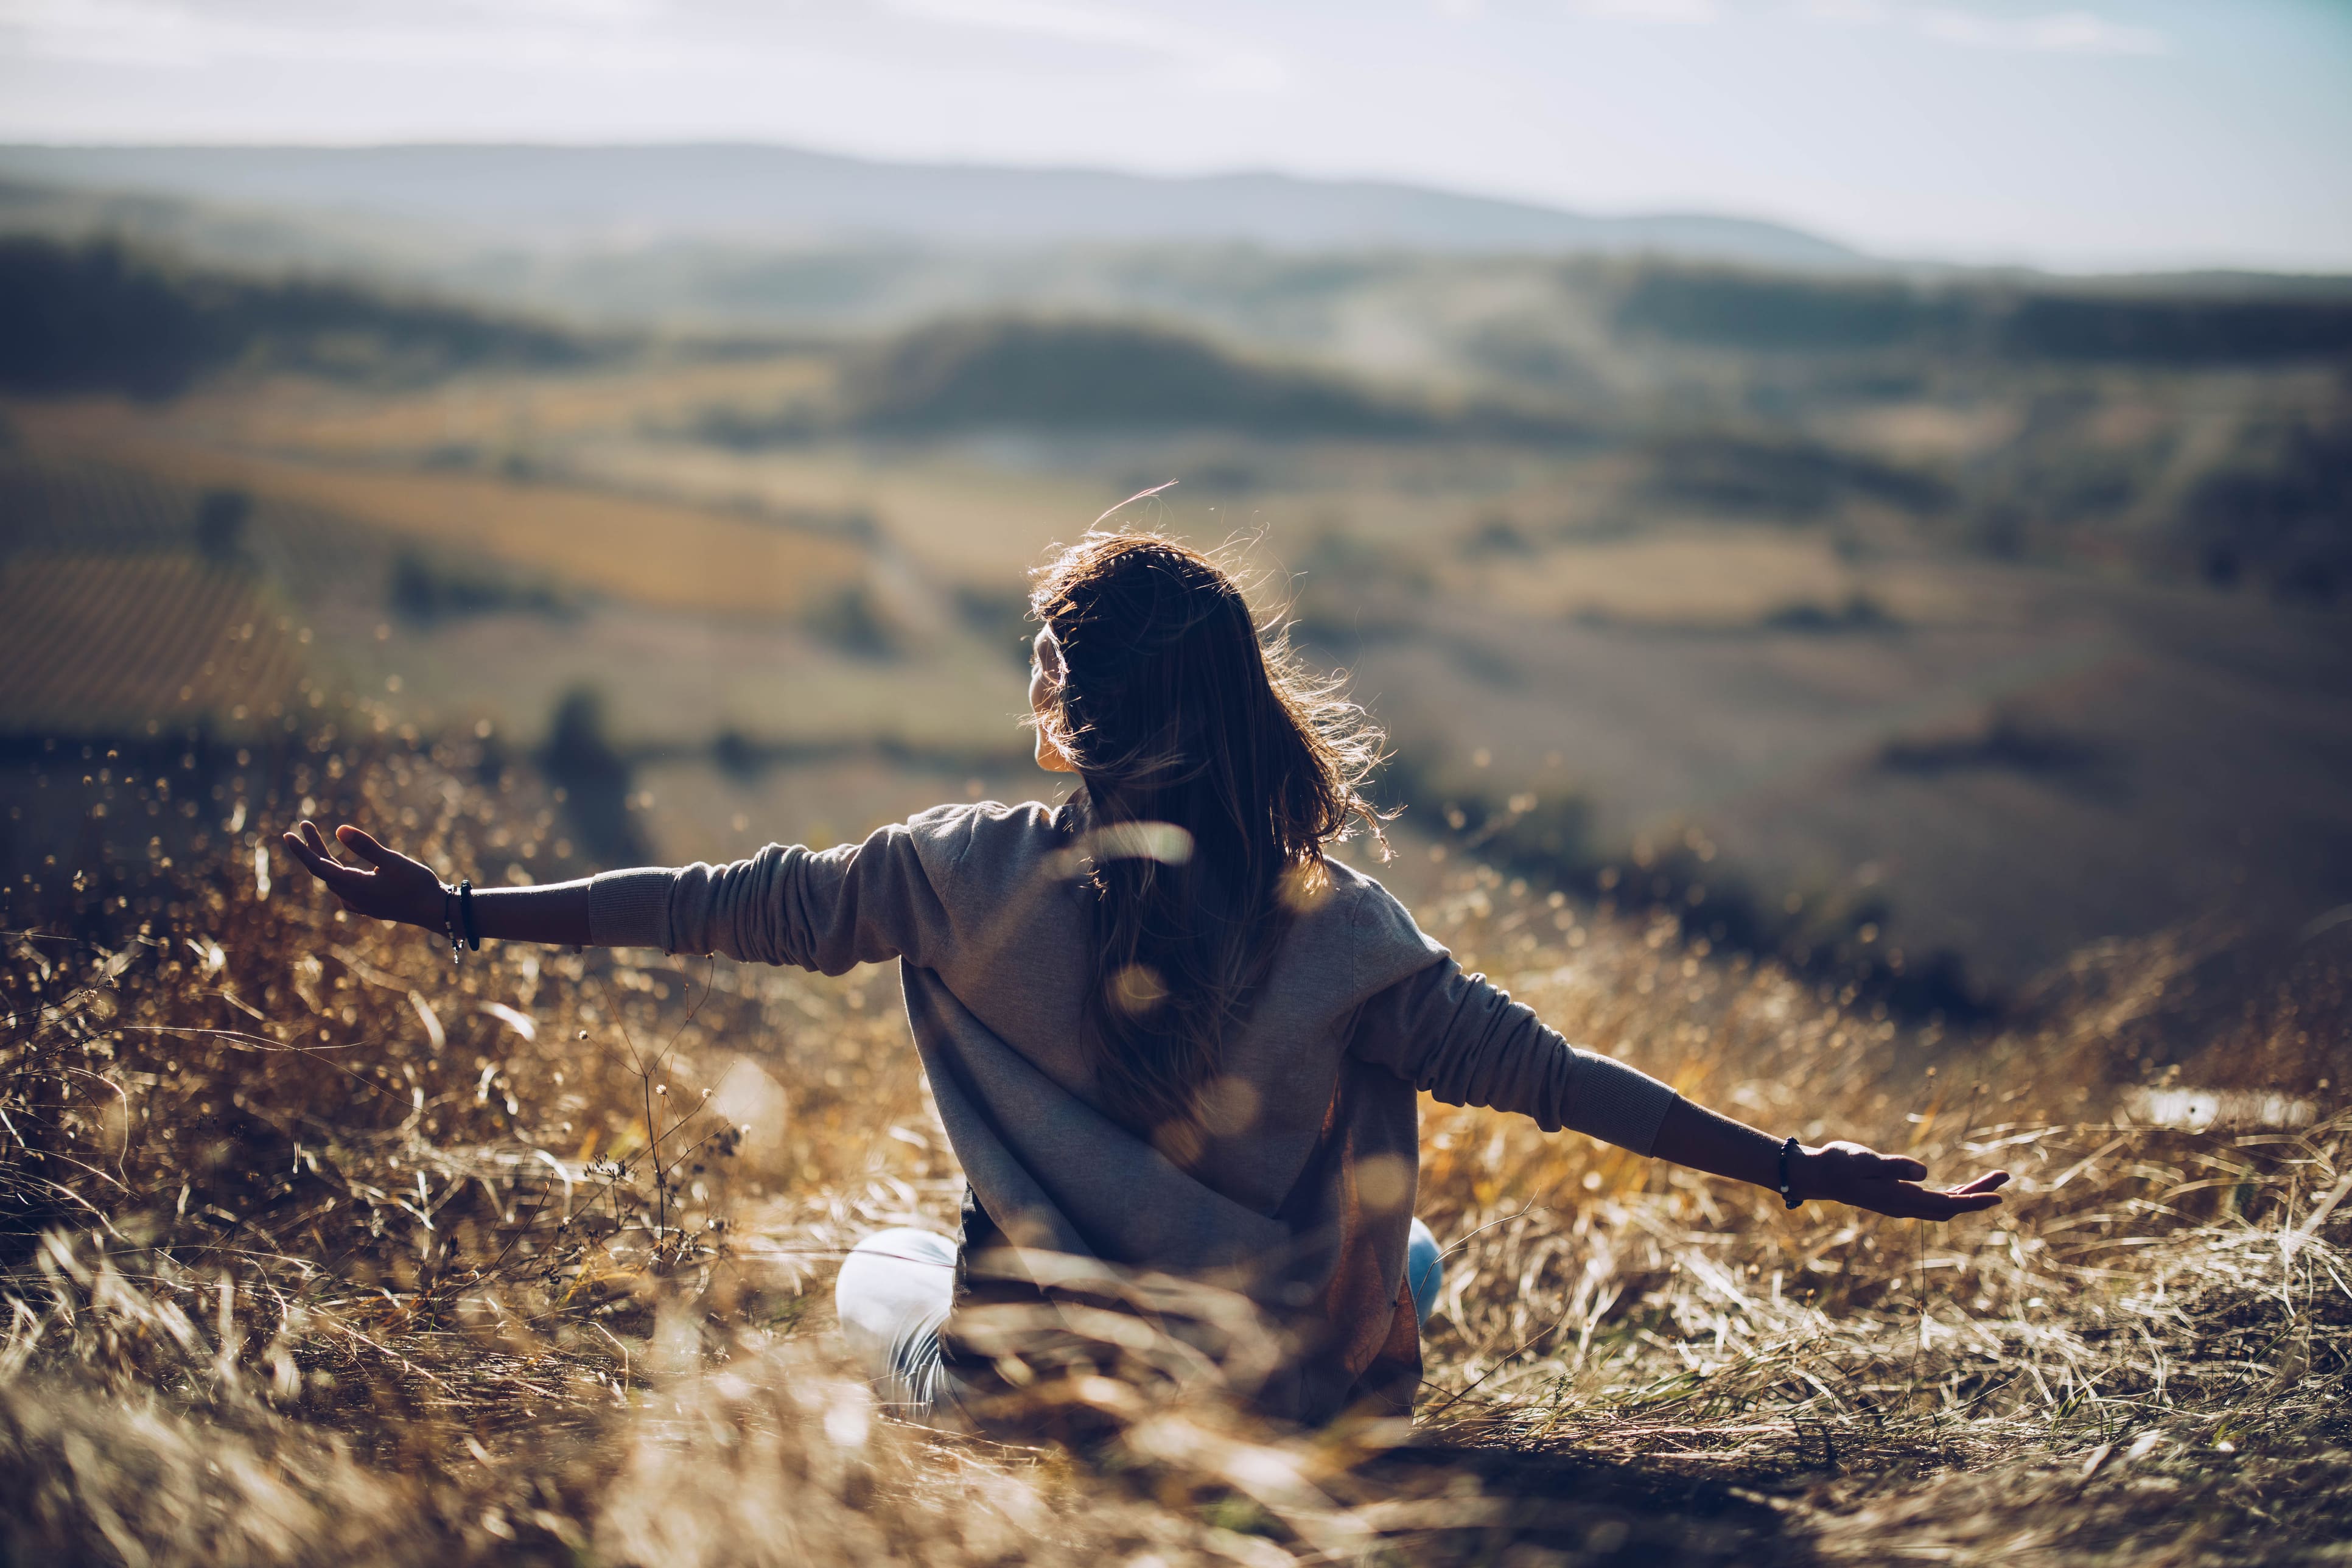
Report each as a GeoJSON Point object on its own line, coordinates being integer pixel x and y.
{"type": "Point", "coordinates": [893, 1284]}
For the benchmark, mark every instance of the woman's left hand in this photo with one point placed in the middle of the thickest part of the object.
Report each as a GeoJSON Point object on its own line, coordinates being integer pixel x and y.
{"type": "Point", "coordinates": [1887, 1184]}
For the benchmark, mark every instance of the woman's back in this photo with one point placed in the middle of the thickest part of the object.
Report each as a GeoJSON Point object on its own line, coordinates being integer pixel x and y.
{"type": "Point", "coordinates": [1293, 1185]}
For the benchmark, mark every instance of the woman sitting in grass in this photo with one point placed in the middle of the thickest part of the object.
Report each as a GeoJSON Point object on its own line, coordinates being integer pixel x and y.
{"type": "Point", "coordinates": [1165, 1032]}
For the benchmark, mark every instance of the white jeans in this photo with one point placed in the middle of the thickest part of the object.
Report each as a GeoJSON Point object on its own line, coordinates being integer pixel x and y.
{"type": "Point", "coordinates": [897, 1286]}
{"type": "Point", "coordinates": [894, 1293]}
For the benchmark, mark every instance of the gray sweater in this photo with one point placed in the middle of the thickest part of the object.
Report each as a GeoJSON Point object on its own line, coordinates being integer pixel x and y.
{"type": "Point", "coordinates": [1301, 1197]}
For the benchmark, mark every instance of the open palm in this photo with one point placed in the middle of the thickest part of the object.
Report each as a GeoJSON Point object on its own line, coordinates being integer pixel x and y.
{"type": "Point", "coordinates": [399, 889]}
{"type": "Point", "coordinates": [1889, 1184]}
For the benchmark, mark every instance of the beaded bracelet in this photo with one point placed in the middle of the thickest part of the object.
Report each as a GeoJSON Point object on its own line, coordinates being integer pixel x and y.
{"type": "Point", "coordinates": [458, 923]}
{"type": "Point", "coordinates": [1788, 1150]}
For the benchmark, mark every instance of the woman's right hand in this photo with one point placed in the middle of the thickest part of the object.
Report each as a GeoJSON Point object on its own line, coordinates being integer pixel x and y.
{"type": "Point", "coordinates": [399, 889]}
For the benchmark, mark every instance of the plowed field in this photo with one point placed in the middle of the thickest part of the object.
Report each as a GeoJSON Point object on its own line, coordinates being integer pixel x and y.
{"type": "Point", "coordinates": [102, 644]}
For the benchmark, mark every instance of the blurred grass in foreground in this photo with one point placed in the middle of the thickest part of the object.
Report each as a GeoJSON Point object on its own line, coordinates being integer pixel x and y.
{"type": "Point", "coordinates": [315, 1248]}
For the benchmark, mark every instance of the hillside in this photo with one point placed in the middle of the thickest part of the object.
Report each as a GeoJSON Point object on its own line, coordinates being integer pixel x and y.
{"type": "Point", "coordinates": [97, 316]}
{"type": "Point", "coordinates": [1086, 377]}
{"type": "Point", "coordinates": [1774, 565]}
{"type": "Point", "coordinates": [738, 191]}
{"type": "Point", "coordinates": [2191, 322]}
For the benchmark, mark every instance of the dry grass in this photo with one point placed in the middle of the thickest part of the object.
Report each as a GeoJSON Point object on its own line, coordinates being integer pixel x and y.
{"type": "Point", "coordinates": [495, 412]}
{"type": "Point", "coordinates": [1699, 576]}
{"type": "Point", "coordinates": [99, 643]}
{"type": "Point", "coordinates": [635, 549]}
{"type": "Point", "coordinates": [316, 1250]}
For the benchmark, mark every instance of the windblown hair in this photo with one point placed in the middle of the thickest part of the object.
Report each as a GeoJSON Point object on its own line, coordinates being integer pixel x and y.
{"type": "Point", "coordinates": [1177, 711]}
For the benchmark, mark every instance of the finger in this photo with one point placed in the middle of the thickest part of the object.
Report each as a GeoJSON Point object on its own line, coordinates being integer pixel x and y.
{"type": "Point", "coordinates": [1907, 1200]}
{"type": "Point", "coordinates": [310, 859]}
{"type": "Point", "coordinates": [359, 843]}
{"type": "Point", "coordinates": [321, 846]}
{"type": "Point", "coordinates": [327, 868]}
{"type": "Point", "coordinates": [341, 879]}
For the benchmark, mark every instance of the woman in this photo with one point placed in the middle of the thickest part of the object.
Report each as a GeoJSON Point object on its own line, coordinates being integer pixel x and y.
{"type": "Point", "coordinates": [1164, 1031]}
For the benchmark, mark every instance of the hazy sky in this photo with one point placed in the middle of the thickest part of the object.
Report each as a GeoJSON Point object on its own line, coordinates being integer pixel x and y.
{"type": "Point", "coordinates": [2161, 133]}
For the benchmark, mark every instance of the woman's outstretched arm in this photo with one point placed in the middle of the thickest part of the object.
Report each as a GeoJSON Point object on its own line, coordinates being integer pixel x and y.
{"type": "Point", "coordinates": [1842, 1173]}
{"type": "Point", "coordinates": [1467, 1043]}
{"type": "Point", "coordinates": [406, 891]}
{"type": "Point", "coordinates": [829, 911]}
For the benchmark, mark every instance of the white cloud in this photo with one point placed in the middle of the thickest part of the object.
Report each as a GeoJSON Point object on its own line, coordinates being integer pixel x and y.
{"type": "Point", "coordinates": [595, 35]}
{"type": "Point", "coordinates": [128, 32]}
{"type": "Point", "coordinates": [2057, 33]}
{"type": "Point", "coordinates": [1856, 13]}
{"type": "Point", "coordinates": [1204, 59]}
{"type": "Point", "coordinates": [727, 36]}
{"type": "Point", "coordinates": [1675, 13]}
{"type": "Point", "coordinates": [2051, 33]}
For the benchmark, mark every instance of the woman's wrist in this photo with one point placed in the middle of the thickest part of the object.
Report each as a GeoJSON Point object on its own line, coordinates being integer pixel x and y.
{"type": "Point", "coordinates": [1806, 1175]}
{"type": "Point", "coordinates": [1789, 1174]}
{"type": "Point", "coordinates": [1824, 1172]}
{"type": "Point", "coordinates": [436, 911]}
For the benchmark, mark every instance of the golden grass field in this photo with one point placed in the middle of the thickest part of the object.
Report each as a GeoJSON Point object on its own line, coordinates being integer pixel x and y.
{"type": "Point", "coordinates": [317, 1249]}
{"type": "Point", "coordinates": [1702, 578]}
{"type": "Point", "coordinates": [498, 412]}
{"type": "Point", "coordinates": [641, 551]}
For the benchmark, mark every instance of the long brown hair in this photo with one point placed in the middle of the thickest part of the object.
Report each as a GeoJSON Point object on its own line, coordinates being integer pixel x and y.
{"type": "Point", "coordinates": [1177, 710]}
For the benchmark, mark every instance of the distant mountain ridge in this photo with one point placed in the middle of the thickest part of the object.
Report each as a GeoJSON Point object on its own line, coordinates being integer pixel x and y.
{"type": "Point", "coordinates": [751, 192]}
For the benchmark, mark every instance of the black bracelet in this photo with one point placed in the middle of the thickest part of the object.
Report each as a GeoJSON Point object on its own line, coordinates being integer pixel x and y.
{"type": "Point", "coordinates": [465, 915]}
{"type": "Point", "coordinates": [1787, 1197]}
{"type": "Point", "coordinates": [449, 923]}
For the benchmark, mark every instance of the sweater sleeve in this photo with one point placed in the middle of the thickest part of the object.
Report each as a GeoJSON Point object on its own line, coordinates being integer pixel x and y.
{"type": "Point", "coordinates": [1464, 1041]}
{"type": "Point", "coordinates": [828, 911]}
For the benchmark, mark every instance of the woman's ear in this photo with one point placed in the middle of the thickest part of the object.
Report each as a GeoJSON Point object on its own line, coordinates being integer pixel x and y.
{"type": "Point", "coordinates": [1046, 673]}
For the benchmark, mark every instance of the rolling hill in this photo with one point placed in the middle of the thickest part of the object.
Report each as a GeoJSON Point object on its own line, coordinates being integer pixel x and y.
{"type": "Point", "coordinates": [99, 318]}
{"type": "Point", "coordinates": [743, 192]}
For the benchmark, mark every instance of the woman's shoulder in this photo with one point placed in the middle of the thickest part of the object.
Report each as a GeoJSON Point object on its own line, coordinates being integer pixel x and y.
{"type": "Point", "coordinates": [1357, 897]}
{"type": "Point", "coordinates": [985, 834]}
{"type": "Point", "coordinates": [1385, 942]}
{"type": "Point", "coordinates": [974, 817]}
